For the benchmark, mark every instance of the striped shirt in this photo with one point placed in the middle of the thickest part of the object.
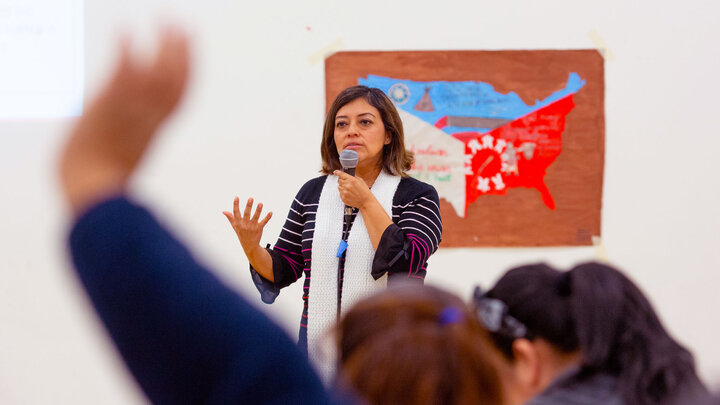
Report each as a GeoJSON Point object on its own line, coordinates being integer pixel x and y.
{"type": "Point", "coordinates": [402, 253]}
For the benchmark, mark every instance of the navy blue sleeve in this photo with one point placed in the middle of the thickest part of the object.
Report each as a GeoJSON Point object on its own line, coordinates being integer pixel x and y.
{"type": "Point", "coordinates": [185, 336]}
{"type": "Point", "coordinates": [414, 235]}
{"type": "Point", "coordinates": [268, 290]}
{"type": "Point", "coordinates": [282, 264]}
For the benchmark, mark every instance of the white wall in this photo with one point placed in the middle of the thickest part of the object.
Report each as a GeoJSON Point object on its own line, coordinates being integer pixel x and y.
{"type": "Point", "coordinates": [251, 126]}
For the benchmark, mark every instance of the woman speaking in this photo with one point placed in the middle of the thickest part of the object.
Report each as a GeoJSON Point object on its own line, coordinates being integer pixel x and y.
{"type": "Point", "coordinates": [394, 227]}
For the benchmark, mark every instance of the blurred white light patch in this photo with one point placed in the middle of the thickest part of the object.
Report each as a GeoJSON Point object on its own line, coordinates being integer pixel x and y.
{"type": "Point", "coordinates": [41, 58]}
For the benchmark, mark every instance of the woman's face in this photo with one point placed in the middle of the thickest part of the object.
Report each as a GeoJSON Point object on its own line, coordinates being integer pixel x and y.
{"type": "Point", "coordinates": [358, 126]}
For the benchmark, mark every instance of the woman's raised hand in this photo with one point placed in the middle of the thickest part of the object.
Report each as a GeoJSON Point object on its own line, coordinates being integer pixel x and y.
{"type": "Point", "coordinates": [248, 228]}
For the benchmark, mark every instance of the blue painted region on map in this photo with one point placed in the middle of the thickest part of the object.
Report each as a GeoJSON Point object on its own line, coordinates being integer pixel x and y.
{"type": "Point", "coordinates": [452, 129]}
{"type": "Point", "coordinates": [462, 99]}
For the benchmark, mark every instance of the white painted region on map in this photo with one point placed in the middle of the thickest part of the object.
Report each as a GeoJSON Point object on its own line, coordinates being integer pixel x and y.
{"type": "Point", "coordinates": [439, 159]}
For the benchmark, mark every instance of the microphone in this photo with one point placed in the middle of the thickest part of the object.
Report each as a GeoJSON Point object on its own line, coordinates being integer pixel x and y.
{"type": "Point", "coordinates": [349, 160]}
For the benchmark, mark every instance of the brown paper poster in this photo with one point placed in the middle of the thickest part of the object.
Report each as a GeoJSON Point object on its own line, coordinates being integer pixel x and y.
{"type": "Point", "coordinates": [513, 141]}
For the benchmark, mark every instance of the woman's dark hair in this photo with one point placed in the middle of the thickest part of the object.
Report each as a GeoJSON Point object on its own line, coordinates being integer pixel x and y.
{"type": "Point", "coordinates": [395, 158]}
{"type": "Point", "coordinates": [417, 345]}
{"type": "Point", "coordinates": [596, 309]}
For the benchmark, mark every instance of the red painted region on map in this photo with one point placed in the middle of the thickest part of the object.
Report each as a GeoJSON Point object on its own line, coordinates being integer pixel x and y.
{"type": "Point", "coordinates": [516, 154]}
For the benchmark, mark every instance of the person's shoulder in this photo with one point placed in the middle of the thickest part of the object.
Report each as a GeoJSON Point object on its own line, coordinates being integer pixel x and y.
{"type": "Point", "coordinates": [314, 183]}
{"type": "Point", "coordinates": [578, 386]}
{"type": "Point", "coordinates": [412, 183]}
{"type": "Point", "coordinates": [411, 188]}
{"type": "Point", "coordinates": [311, 189]}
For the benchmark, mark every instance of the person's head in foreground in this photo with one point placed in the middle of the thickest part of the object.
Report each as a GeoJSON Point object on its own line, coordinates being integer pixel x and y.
{"type": "Point", "coordinates": [588, 332]}
{"type": "Point", "coordinates": [417, 345]}
{"type": "Point", "coordinates": [365, 120]}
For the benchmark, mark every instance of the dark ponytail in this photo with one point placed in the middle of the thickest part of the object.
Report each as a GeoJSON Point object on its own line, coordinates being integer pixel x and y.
{"type": "Point", "coordinates": [609, 320]}
{"type": "Point", "coordinates": [619, 332]}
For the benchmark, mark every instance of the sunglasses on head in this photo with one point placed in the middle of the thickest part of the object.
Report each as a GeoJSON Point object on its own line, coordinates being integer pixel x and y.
{"type": "Point", "coordinates": [494, 315]}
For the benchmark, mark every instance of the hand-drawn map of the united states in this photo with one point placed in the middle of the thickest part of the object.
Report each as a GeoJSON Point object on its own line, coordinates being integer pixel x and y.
{"type": "Point", "coordinates": [469, 140]}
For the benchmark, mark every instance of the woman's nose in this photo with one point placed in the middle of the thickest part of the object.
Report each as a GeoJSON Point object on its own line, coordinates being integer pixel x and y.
{"type": "Point", "coordinates": [353, 129]}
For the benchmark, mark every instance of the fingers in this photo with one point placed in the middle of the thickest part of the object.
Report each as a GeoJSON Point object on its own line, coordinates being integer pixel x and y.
{"type": "Point", "coordinates": [170, 69]}
{"type": "Point", "coordinates": [236, 207]}
{"type": "Point", "coordinates": [342, 175]}
{"type": "Point", "coordinates": [248, 211]}
{"type": "Point", "coordinates": [172, 57]}
{"type": "Point", "coordinates": [256, 216]}
{"type": "Point", "coordinates": [343, 180]}
{"type": "Point", "coordinates": [229, 216]}
{"type": "Point", "coordinates": [266, 219]}
{"type": "Point", "coordinates": [124, 66]}
{"type": "Point", "coordinates": [347, 184]}
{"type": "Point", "coordinates": [248, 208]}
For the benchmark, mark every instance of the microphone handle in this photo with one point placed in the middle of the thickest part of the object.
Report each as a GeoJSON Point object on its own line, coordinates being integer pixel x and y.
{"type": "Point", "coordinates": [350, 171]}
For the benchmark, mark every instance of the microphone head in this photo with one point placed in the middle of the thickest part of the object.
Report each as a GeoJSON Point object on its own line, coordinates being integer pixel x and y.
{"type": "Point", "coordinates": [348, 159]}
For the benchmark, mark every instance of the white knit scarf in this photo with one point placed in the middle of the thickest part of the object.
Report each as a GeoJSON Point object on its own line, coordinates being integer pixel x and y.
{"type": "Point", "coordinates": [357, 280]}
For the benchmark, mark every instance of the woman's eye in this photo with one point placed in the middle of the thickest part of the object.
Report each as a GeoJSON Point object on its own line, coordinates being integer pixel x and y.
{"type": "Point", "coordinates": [366, 122]}
{"type": "Point", "coordinates": [340, 124]}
